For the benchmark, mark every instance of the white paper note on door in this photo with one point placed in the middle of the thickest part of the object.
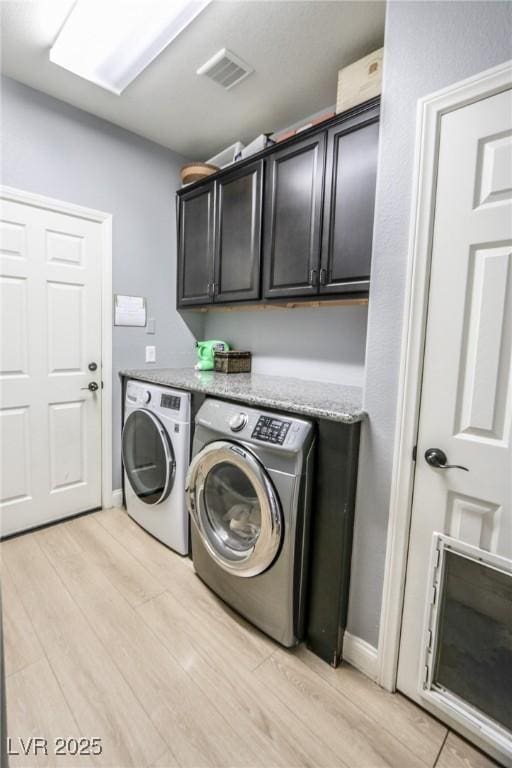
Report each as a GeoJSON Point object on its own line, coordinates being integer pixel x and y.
{"type": "Point", "coordinates": [130, 310]}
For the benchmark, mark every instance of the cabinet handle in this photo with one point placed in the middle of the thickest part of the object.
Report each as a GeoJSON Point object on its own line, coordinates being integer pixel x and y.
{"type": "Point", "coordinates": [323, 276]}
{"type": "Point", "coordinates": [312, 277]}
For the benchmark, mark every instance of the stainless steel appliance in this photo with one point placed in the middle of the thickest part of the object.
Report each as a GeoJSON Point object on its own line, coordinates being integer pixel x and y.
{"type": "Point", "coordinates": [248, 492]}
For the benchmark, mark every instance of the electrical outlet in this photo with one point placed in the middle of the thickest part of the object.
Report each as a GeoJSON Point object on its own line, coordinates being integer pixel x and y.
{"type": "Point", "coordinates": [150, 354]}
{"type": "Point", "coordinates": [150, 325]}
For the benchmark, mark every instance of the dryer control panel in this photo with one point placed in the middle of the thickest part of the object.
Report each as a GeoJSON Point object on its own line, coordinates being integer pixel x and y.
{"type": "Point", "coordinates": [271, 430]}
{"type": "Point", "coordinates": [279, 432]}
{"type": "Point", "coordinates": [170, 401]}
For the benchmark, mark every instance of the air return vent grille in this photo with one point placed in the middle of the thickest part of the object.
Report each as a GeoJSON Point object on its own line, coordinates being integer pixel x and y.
{"type": "Point", "coordinates": [225, 69]}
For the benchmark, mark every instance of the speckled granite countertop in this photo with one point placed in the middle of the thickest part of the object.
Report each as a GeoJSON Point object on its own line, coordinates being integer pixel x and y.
{"type": "Point", "coordinates": [309, 398]}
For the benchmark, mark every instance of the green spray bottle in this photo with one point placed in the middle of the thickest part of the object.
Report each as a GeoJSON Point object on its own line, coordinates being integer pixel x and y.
{"type": "Point", "coordinates": [206, 353]}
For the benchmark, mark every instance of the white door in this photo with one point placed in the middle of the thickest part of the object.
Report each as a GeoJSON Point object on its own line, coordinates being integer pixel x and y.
{"type": "Point", "coordinates": [50, 422]}
{"type": "Point", "coordinates": [466, 410]}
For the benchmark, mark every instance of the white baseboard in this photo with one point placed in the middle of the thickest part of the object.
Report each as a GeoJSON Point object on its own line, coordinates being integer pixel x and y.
{"type": "Point", "coordinates": [117, 498]}
{"type": "Point", "coordinates": [361, 655]}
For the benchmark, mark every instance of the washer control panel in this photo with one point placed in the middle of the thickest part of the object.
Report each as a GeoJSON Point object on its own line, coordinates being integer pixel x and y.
{"type": "Point", "coordinates": [271, 430]}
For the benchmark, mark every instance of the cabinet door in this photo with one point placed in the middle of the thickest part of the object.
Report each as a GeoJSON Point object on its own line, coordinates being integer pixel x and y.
{"type": "Point", "coordinates": [351, 171]}
{"type": "Point", "coordinates": [195, 252]}
{"type": "Point", "coordinates": [293, 216]}
{"type": "Point", "coordinates": [238, 234]}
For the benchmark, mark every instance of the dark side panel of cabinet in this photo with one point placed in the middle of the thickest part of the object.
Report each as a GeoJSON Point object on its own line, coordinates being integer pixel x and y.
{"type": "Point", "coordinates": [331, 537]}
{"type": "Point", "coordinates": [196, 242]}
{"type": "Point", "coordinates": [238, 234]}
{"type": "Point", "coordinates": [349, 207]}
{"type": "Point", "coordinates": [293, 218]}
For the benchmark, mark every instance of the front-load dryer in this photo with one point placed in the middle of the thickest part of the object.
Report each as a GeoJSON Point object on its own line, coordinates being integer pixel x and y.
{"type": "Point", "coordinates": [156, 454]}
{"type": "Point", "coordinates": [248, 492]}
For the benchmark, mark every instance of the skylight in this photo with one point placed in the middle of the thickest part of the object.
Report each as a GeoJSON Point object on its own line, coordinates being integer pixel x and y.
{"type": "Point", "coordinates": [110, 42]}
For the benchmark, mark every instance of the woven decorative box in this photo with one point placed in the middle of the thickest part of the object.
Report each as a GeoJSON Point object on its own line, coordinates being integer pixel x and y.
{"type": "Point", "coordinates": [233, 361]}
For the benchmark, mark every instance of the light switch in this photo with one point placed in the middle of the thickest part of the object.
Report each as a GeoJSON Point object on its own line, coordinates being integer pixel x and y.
{"type": "Point", "coordinates": [150, 354]}
{"type": "Point", "coordinates": [150, 325]}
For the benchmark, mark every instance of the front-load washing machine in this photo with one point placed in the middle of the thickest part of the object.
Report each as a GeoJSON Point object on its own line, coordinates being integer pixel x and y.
{"type": "Point", "coordinates": [248, 492]}
{"type": "Point", "coordinates": [156, 454]}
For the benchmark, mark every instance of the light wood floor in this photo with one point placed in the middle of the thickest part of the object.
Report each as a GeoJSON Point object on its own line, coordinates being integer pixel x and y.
{"type": "Point", "coordinates": [108, 634]}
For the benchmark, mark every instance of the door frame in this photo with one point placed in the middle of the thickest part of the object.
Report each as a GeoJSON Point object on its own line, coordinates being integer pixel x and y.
{"type": "Point", "coordinates": [105, 220]}
{"type": "Point", "coordinates": [428, 128]}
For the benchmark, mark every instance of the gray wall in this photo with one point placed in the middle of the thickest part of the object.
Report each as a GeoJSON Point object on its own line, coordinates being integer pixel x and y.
{"type": "Point", "coordinates": [428, 46]}
{"type": "Point", "coordinates": [54, 149]}
{"type": "Point", "coordinates": [310, 343]}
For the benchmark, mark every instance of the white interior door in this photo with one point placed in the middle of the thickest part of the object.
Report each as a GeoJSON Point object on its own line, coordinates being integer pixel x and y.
{"type": "Point", "coordinates": [50, 423]}
{"type": "Point", "coordinates": [466, 402]}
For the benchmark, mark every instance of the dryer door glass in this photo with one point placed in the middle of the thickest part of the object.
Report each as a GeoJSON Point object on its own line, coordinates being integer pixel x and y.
{"type": "Point", "coordinates": [235, 508]}
{"type": "Point", "coordinates": [148, 457]}
{"type": "Point", "coordinates": [232, 506]}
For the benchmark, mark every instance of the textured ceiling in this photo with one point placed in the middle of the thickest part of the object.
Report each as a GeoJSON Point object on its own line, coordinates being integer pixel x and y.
{"type": "Point", "coordinates": [296, 49]}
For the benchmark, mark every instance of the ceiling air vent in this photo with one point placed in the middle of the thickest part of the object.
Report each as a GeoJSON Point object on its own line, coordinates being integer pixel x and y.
{"type": "Point", "coordinates": [225, 69]}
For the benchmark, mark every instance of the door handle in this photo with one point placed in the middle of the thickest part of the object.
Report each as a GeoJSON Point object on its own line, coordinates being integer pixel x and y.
{"type": "Point", "coordinates": [312, 277]}
{"type": "Point", "coordinates": [92, 386]}
{"type": "Point", "coordinates": [438, 459]}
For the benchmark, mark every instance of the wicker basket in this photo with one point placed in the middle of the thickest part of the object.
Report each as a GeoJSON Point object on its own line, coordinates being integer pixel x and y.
{"type": "Point", "coordinates": [233, 362]}
{"type": "Point", "coordinates": [197, 171]}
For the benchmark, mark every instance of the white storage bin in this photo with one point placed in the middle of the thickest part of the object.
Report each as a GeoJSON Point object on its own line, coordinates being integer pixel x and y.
{"type": "Point", "coordinates": [227, 156]}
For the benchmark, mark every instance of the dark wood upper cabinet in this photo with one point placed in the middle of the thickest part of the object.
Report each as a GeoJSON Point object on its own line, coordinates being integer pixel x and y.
{"type": "Point", "coordinates": [196, 244]}
{"type": "Point", "coordinates": [351, 171]}
{"type": "Point", "coordinates": [238, 234]}
{"type": "Point", "coordinates": [294, 221]}
{"type": "Point", "coordinates": [294, 179]}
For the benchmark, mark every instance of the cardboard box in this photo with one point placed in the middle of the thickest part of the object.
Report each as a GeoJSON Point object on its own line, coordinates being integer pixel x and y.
{"type": "Point", "coordinates": [360, 81]}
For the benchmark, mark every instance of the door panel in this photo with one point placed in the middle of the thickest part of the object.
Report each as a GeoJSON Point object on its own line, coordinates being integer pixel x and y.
{"type": "Point", "coordinates": [494, 179]}
{"type": "Point", "coordinates": [65, 308]}
{"type": "Point", "coordinates": [484, 389]}
{"type": "Point", "coordinates": [16, 464]}
{"type": "Point", "coordinates": [195, 254]}
{"type": "Point", "coordinates": [238, 234]}
{"type": "Point", "coordinates": [293, 219]}
{"type": "Point", "coordinates": [466, 401]}
{"type": "Point", "coordinates": [349, 204]}
{"type": "Point", "coordinates": [13, 308]}
{"type": "Point", "coordinates": [66, 444]}
{"type": "Point", "coordinates": [50, 287]}
{"type": "Point", "coordinates": [64, 248]}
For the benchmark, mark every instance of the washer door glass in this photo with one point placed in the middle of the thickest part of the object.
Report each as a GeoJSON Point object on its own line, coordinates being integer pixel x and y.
{"type": "Point", "coordinates": [235, 507]}
{"type": "Point", "coordinates": [148, 457]}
